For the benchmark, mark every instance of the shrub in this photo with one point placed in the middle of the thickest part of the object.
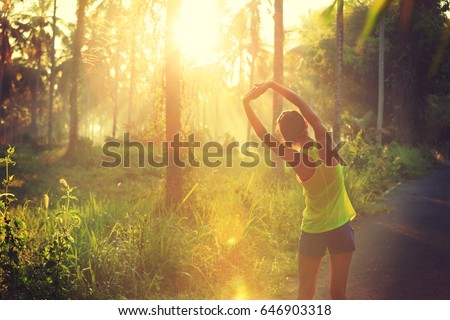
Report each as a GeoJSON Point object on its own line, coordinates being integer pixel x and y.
{"type": "Point", "coordinates": [34, 267]}
{"type": "Point", "coordinates": [373, 169]}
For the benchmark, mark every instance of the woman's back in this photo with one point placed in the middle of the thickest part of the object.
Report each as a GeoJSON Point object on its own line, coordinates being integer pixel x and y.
{"type": "Point", "coordinates": [327, 203]}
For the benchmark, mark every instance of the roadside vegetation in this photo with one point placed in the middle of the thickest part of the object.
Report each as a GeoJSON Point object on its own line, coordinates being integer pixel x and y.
{"type": "Point", "coordinates": [105, 233]}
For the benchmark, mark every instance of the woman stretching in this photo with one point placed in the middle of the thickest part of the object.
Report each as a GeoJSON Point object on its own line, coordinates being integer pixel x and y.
{"type": "Point", "coordinates": [328, 212]}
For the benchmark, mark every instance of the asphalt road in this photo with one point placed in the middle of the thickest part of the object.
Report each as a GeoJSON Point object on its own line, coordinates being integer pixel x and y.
{"type": "Point", "coordinates": [404, 252]}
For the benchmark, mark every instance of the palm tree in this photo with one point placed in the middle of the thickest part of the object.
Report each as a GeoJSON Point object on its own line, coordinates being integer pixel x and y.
{"type": "Point", "coordinates": [254, 44]}
{"type": "Point", "coordinates": [339, 69]}
{"type": "Point", "coordinates": [376, 15]}
{"type": "Point", "coordinates": [78, 42]}
{"type": "Point", "coordinates": [9, 33]}
{"type": "Point", "coordinates": [380, 79]}
{"type": "Point", "coordinates": [278, 59]}
{"type": "Point", "coordinates": [173, 104]}
{"type": "Point", "coordinates": [138, 13]}
{"type": "Point", "coordinates": [39, 40]}
{"type": "Point", "coordinates": [52, 79]}
{"type": "Point", "coordinates": [5, 49]}
{"type": "Point", "coordinates": [339, 63]}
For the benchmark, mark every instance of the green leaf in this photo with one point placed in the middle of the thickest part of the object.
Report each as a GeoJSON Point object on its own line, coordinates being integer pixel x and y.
{"type": "Point", "coordinates": [74, 212]}
{"type": "Point", "coordinates": [76, 221]}
{"type": "Point", "coordinates": [10, 150]}
{"type": "Point", "coordinates": [18, 223]}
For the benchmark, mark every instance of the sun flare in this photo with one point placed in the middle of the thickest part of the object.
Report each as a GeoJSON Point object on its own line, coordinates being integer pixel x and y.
{"type": "Point", "coordinates": [197, 30]}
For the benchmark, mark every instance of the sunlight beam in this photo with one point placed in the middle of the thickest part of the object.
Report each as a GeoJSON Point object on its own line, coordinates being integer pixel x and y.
{"type": "Point", "coordinates": [197, 30]}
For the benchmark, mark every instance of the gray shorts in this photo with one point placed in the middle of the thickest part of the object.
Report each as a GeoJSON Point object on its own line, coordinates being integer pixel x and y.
{"type": "Point", "coordinates": [339, 240]}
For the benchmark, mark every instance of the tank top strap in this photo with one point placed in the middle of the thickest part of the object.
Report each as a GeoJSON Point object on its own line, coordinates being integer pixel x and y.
{"type": "Point", "coordinates": [315, 145]}
{"type": "Point", "coordinates": [312, 151]}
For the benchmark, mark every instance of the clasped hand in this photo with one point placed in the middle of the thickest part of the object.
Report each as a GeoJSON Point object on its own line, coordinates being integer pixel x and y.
{"type": "Point", "coordinates": [257, 90]}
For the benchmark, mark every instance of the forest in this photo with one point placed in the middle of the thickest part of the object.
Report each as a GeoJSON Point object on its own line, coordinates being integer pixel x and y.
{"type": "Point", "coordinates": [84, 81]}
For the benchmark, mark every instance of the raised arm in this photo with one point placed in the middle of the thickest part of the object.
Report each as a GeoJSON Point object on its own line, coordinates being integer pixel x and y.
{"type": "Point", "coordinates": [288, 154]}
{"type": "Point", "coordinates": [254, 93]}
{"type": "Point", "coordinates": [321, 135]}
{"type": "Point", "coordinates": [308, 113]}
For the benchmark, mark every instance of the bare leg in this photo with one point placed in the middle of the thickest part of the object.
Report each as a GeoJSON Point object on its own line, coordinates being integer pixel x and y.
{"type": "Point", "coordinates": [308, 268]}
{"type": "Point", "coordinates": [339, 268]}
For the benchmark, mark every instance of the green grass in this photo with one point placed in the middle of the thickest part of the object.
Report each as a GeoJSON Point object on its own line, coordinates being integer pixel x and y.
{"type": "Point", "coordinates": [234, 236]}
{"type": "Point", "coordinates": [129, 246]}
{"type": "Point", "coordinates": [374, 169]}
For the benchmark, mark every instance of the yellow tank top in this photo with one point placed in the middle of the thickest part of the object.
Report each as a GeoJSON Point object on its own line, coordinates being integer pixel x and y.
{"type": "Point", "coordinates": [327, 204]}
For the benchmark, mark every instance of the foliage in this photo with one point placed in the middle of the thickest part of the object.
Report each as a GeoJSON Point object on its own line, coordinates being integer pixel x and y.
{"type": "Point", "coordinates": [124, 43]}
{"type": "Point", "coordinates": [373, 168]}
{"type": "Point", "coordinates": [118, 241]}
{"type": "Point", "coordinates": [32, 266]}
{"type": "Point", "coordinates": [11, 235]}
{"type": "Point", "coordinates": [437, 124]}
{"type": "Point", "coordinates": [417, 55]}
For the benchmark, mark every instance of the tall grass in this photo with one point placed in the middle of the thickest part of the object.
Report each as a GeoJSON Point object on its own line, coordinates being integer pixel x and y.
{"type": "Point", "coordinates": [374, 169]}
{"type": "Point", "coordinates": [233, 236]}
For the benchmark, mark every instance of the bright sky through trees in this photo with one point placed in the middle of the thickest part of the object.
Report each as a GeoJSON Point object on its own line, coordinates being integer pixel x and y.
{"type": "Point", "coordinates": [197, 29]}
{"type": "Point", "coordinates": [200, 19]}
{"type": "Point", "coordinates": [199, 22]}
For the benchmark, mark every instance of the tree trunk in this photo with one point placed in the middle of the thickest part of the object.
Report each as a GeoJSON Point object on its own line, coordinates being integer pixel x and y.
{"type": "Point", "coordinates": [173, 105]}
{"type": "Point", "coordinates": [380, 79]}
{"type": "Point", "coordinates": [52, 80]}
{"type": "Point", "coordinates": [339, 69]}
{"type": "Point", "coordinates": [278, 58]}
{"type": "Point", "coordinates": [254, 48]}
{"type": "Point", "coordinates": [115, 93]}
{"type": "Point", "coordinates": [78, 42]}
{"type": "Point", "coordinates": [35, 90]}
{"type": "Point", "coordinates": [132, 82]}
{"type": "Point", "coordinates": [5, 55]}
{"type": "Point", "coordinates": [5, 48]}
